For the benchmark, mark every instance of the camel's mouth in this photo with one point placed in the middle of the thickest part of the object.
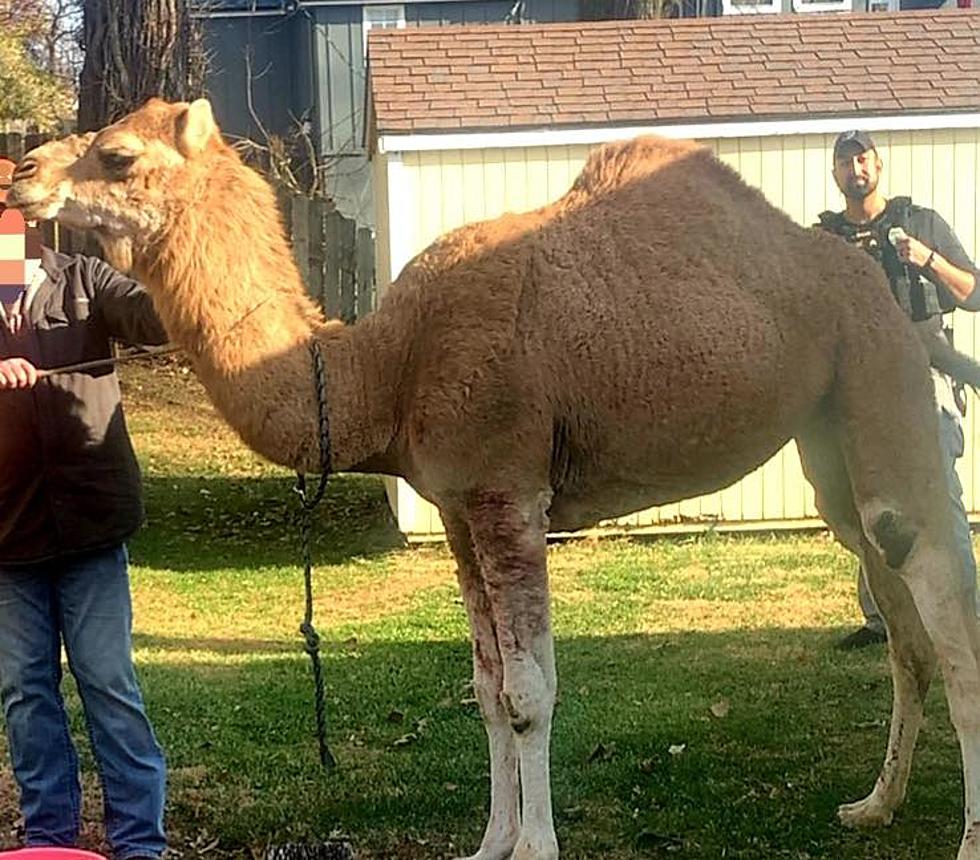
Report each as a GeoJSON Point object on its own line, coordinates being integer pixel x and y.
{"type": "Point", "coordinates": [33, 207]}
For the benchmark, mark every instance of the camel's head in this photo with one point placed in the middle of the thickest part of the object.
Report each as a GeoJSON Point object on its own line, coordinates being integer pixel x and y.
{"type": "Point", "coordinates": [41, 186]}
{"type": "Point", "coordinates": [123, 182]}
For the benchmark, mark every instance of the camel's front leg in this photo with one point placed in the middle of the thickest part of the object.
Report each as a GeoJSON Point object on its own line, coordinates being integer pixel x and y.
{"type": "Point", "coordinates": [508, 534]}
{"type": "Point", "coordinates": [503, 826]}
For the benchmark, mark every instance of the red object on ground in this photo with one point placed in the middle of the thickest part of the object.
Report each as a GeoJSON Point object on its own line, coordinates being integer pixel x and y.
{"type": "Point", "coordinates": [51, 854]}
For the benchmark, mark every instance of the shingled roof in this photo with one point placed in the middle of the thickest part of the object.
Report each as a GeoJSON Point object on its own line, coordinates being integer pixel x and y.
{"type": "Point", "coordinates": [479, 78]}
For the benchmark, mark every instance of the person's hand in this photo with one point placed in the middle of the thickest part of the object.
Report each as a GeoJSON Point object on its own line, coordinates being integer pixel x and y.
{"type": "Point", "coordinates": [911, 250]}
{"type": "Point", "coordinates": [17, 373]}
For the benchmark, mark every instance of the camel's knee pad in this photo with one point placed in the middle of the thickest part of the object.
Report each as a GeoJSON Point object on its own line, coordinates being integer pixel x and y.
{"type": "Point", "coordinates": [894, 536]}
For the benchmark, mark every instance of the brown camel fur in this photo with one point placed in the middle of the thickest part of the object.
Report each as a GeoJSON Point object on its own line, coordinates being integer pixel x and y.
{"type": "Point", "coordinates": [654, 334]}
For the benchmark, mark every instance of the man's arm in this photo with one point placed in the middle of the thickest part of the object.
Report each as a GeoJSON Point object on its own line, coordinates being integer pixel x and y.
{"type": "Point", "coordinates": [961, 283]}
{"type": "Point", "coordinates": [940, 256]}
{"type": "Point", "coordinates": [124, 305]}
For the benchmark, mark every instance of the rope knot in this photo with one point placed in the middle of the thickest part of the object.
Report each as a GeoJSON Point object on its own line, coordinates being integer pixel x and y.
{"type": "Point", "coordinates": [311, 636]}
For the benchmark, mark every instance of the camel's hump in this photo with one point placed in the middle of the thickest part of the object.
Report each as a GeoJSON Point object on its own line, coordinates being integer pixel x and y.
{"type": "Point", "coordinates": [617, 164]}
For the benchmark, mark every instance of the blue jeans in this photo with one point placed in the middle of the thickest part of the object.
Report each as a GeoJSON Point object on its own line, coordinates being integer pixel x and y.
{"type": "Point", "coordinates": [84, 602]}
{"type": "Point", "coordinates": [951, 446]}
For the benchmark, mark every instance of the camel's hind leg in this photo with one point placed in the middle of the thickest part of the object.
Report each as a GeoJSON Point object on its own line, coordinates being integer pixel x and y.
{"type": "Point", "coordinates": [889, 436]}
{"type": "Point", "coordinates": [504, 823]}
{"type": "Point", "coordinates": [913, 663]}
{"type": "Point", "coordinates": [910, 652]}
{"type": "Point", "coordinates": [935, 584]}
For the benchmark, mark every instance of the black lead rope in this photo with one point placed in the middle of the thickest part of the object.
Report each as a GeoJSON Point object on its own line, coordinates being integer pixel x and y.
{"type": "Point", "coordinates": [306, 527]}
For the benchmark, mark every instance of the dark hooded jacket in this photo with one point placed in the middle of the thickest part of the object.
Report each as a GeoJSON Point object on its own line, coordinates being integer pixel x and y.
{"type": "Point", "coordinates": [69, 480]}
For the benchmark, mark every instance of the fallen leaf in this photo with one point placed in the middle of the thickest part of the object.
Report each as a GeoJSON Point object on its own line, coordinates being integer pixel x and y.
{"type": "Point", "coordinates": [601, 752]}
{"type": "Point", "coordinates": [721, 708]}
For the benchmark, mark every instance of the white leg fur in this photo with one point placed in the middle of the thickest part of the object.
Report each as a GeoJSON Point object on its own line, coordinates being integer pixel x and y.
{"type": "Point", "coordinates": [913, 664]}
{"type": "Point", "coordinates": [932, 578]}
{"type": "Point", "coordinates": [529, 696]}
{"type": "Point", "coordinates": [888, 793]}
{"type": "Point", "coordinates": [503, 825]}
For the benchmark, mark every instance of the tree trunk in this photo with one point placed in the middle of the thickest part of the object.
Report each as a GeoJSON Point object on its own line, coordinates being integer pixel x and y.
{"type": "Point", "coordinates": [135, 49]}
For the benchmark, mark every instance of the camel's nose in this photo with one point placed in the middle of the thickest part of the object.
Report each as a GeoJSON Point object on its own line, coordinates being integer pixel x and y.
{"type": "Point", "coordinates": [25, 170]}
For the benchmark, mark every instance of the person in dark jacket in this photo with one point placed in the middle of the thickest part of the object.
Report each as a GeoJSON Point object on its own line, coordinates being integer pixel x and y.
{"type": "Point", "coordinates": [930, 274]}
{"type": "Point", "coordinates": [70, 498]}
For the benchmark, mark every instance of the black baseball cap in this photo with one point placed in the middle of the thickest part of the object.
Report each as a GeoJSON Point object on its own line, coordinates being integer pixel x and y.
{"type": "Point", "coordinates": [854, 142]}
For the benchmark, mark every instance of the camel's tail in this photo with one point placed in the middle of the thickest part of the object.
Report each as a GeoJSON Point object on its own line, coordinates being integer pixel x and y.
{"type": "Point", "coordinates": [945, 358]}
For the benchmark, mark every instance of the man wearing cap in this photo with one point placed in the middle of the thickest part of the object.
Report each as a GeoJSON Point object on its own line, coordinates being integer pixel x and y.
{"type": "Point", "coordinates": [930, 274]}
{"type": "Point", "coordinates": [70, 497]}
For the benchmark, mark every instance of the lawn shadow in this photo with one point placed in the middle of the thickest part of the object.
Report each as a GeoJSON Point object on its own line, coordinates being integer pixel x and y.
{"type": "Point", "coordinates": [723, 744]}
{"type": "Point", "coordinates": [218, 522]}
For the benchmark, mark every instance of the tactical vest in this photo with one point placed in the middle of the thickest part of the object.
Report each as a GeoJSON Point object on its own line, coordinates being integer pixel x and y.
{"type": "Point", "coordinates": [916, 295]}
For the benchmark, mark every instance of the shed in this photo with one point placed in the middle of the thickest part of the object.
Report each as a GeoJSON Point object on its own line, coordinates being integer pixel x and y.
{"type": "Point", "coordinates": [467, 123]}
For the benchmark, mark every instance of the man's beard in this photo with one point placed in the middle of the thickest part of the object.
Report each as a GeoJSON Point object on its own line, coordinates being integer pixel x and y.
{"type": "Point", "coordinates": [859, 189]}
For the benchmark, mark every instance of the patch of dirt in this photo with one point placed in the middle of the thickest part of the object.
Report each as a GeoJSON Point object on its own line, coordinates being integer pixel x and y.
{"type": "Point", "coordinates": [92, 838]}
{"type": "Point", "coordinates": [389, 594]}
{"type": "Point", "coordinates": [165, 383]}
{"type": "Point", "coordinates": [789, 608]}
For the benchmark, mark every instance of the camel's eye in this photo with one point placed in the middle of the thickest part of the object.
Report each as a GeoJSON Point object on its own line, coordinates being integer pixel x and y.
{"type": "Point", "coordinates": [117, 161]}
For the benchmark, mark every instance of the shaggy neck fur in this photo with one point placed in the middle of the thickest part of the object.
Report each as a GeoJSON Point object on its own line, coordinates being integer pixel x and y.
{"type": "Point", "coordinates": [249, 328]}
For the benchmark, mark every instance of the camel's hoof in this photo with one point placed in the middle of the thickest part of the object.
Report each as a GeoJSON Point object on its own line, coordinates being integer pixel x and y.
{"type": "Point", "coordinates": [970, 846]}
{"type": "Point", "coordinates": [491, 853]}
{"type": "Point", "coordinates": [481, 856]}
{"type": "Point", "coordinates": [526, 850]}
{"type": "Point", "coordinates": [870, 812]}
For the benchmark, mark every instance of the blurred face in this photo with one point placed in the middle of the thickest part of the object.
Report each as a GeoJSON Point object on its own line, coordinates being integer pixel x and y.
{"type": "Point", "coordinates": [857, 173]}
{"type": "Point", "coordinates": [20, 253]}
{"type": "Point", "coordinates": [6, 178]}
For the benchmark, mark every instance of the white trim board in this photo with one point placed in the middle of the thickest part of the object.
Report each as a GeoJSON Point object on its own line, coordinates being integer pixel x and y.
{"type": "Point", "coordinates": [399, 204]}
{"type": "Point", "coordinates": [605, 133]}
{"type": "Point", "coordinates": [238, 13]}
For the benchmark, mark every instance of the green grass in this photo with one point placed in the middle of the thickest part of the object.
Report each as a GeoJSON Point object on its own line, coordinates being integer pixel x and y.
{"type": "Point", "coordinates": [650, 635]}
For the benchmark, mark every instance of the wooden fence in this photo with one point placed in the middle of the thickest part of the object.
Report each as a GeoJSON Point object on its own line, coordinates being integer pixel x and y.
{"type": "Point", "coordinates": [334, 255]}
{"type": "Point", "coordinates": [13, 144]}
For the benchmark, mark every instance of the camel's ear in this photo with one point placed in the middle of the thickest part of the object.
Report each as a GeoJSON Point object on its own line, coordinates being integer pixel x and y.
{"type": "Point", "coordinates": [195, 125]}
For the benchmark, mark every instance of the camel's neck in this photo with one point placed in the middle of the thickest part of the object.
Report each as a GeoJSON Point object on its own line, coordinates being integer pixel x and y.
{"type": "Point", "coordinates": [232, 297]}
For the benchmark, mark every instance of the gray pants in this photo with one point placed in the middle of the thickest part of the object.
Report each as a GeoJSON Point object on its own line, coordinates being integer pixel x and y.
{"type": "Point", "coordinates": [951, 444]}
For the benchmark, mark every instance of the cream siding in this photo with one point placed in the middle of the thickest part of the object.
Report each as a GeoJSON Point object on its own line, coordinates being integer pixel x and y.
{"type": "Point", "coordinates": [443, 189]}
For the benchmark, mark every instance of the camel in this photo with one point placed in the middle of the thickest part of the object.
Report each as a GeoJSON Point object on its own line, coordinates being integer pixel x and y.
{"type": "Point", "coordinates": [655, 334]}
